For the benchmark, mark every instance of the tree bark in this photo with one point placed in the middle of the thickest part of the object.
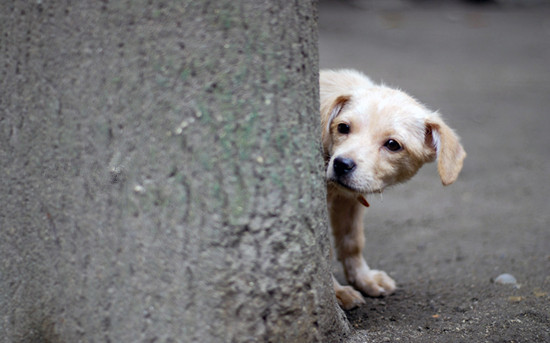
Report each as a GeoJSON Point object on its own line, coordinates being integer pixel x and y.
{"type": "Point", "coordinates": [161, 177]}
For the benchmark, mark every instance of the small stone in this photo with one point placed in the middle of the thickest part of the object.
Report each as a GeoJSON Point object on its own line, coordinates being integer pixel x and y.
{"type": "Point", "coordinates": [540, 294]}
{"type": "Point", "coordinates": [506, 279]}
{"type": "Point", "coordinates": [139, 189]}
{"type": "Point", "coordinates": [515, 299]}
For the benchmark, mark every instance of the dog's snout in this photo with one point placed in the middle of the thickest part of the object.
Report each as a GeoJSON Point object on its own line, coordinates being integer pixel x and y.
{"type": "Point", "coordinates": [343, 166]}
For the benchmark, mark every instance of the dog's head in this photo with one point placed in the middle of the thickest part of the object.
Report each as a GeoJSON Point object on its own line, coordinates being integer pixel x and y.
{"type": "Point", "coordinates": [374, 136]}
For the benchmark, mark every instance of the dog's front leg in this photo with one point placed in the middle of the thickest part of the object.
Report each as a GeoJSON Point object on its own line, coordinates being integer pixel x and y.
{"type": "Point", "coordinates": [346, 217]}
{"type": "Point", "coordinates": [348, 298]}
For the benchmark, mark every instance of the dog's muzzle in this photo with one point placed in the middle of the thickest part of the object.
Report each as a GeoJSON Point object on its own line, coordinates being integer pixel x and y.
{"type": "Point", "coordinates": [343, 166]}
{"type": "Point", "coordinates": [342, 170]}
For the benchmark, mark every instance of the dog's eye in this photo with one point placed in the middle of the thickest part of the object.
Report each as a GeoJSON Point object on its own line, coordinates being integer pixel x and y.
{"type": "Point", "coordinates": [343, 128]}
{"type": "Point", "coordinates": [393, 145]}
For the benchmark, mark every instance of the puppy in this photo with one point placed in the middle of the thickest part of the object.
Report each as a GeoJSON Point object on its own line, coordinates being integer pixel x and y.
{"type": "Point", "coordinates": [373, 137]}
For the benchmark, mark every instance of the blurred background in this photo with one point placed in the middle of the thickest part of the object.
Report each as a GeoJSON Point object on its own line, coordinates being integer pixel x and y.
{"type": "Point", "coordinates": [485, 67]}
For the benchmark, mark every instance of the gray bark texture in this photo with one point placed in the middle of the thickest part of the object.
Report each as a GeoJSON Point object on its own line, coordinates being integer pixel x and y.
{"type": "Point", "coordinates": [161, 173]}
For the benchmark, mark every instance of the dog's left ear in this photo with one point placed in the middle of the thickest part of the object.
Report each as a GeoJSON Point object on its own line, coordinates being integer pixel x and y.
{"type": "Point", "coordinates": [328, 113]}
{"type": "Point", "coordinates": [446, 144]}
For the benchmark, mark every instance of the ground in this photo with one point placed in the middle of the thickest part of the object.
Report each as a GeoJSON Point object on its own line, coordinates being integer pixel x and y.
{"type": "Point", "coordinates": [486, 69]}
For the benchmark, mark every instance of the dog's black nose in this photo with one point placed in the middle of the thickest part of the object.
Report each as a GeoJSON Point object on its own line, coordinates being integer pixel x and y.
{"type": "Point", "coordinates": [343, 166]}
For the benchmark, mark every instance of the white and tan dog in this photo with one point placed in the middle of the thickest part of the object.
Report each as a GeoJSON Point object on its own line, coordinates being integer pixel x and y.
{"type": "Point", "coordinates": [373, 137]}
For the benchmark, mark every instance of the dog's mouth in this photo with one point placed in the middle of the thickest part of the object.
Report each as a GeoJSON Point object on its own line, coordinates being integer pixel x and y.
{"type": "Point", "coordinates": [344, 185]}
{"type": "Point", "coordinates": [360, 196]}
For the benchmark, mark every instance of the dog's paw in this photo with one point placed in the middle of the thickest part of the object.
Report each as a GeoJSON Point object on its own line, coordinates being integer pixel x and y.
{"type": "Point", "coordinates": [348, 298]}
{"type": "Point", "coordinates": [375, 283]}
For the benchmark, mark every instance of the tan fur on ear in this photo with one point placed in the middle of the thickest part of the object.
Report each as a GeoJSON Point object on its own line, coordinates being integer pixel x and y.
{"type": "Point", "coordinates": [450, 154]}
{"type": "Point", "coordinates": [327, 116]}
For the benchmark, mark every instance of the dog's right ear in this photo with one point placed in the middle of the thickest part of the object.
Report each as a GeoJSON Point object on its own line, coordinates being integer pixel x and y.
{"type": "Point", "coordinates": [328, 113]}
{"type": "Point", "coordinates": [446, 144]}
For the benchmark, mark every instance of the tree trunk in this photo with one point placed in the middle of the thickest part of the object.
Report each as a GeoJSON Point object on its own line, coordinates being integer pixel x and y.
{"type": "Point", "coordinates": [161, 177]}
